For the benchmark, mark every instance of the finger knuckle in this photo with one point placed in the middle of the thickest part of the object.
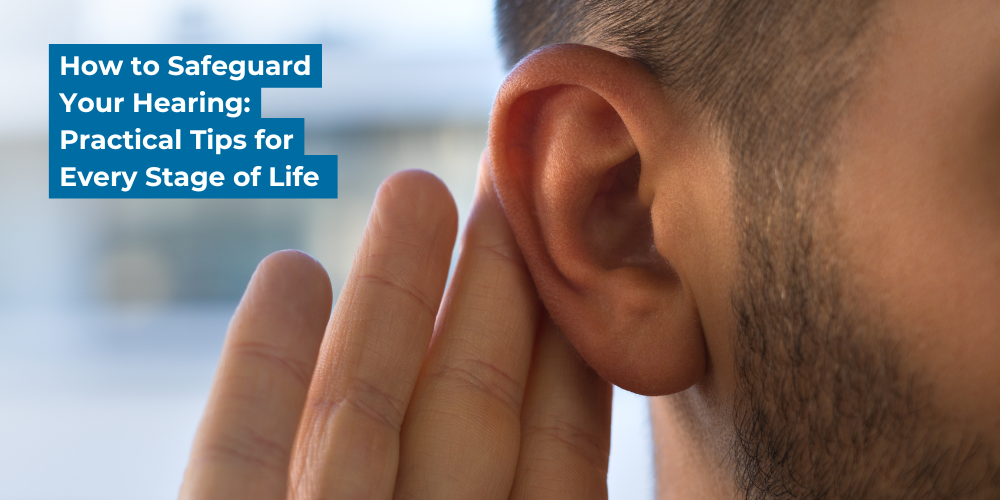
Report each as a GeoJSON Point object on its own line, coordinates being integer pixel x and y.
{"type": "Point", "coordinates": [248, 446]}
{"type": "Point", "coordinates": [375, 404]}
{"type": "Point", "coordinates": [362, 399]}
{"type": "Point", "coordinates": [407, 290]}
{"type": "Point", "coordinates": [577, 441]}
{"type": "Point", "coordinates": [506, 252]}
{"type": "Point", "coordinates": [274, 357]}
{"type": "Point", "coordinates": [483, 379]}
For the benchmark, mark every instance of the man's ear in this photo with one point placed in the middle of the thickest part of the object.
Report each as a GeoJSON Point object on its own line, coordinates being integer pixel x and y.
{"type": "Point", "coordinates": [589, 155]}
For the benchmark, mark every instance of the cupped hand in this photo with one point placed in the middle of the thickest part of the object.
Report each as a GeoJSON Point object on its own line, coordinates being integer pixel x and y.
{"type": "Point", "coordinates": [401, 393]}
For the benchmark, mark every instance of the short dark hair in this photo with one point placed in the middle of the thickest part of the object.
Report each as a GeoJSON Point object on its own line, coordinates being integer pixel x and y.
{"type": "Point", "coordinates": [775, 75]}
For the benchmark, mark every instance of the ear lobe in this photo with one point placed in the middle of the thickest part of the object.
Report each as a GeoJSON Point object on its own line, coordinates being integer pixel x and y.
{"type": "Point", "coordinates": [574, 154]}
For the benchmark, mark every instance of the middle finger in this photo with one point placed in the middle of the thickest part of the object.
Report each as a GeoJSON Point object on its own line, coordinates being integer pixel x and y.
{"type": "Point", "coordinates": [347, 446]}
{"type": "Point", "coordinates": [462, 429]}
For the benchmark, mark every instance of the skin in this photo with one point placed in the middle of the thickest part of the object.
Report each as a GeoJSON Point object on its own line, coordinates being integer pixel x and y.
{"type": "Point", "coordinates": [408, 390]}
{"type": "Point", "coordinates": [403, 392]}
{"type": "Point", "coordinates": [915, 224]}
{"type": "Point", "coordinates": [923, 152]}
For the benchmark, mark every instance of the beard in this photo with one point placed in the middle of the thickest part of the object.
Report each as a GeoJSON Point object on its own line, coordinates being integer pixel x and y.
{"type": "Point", "coordinates": [825, 407]}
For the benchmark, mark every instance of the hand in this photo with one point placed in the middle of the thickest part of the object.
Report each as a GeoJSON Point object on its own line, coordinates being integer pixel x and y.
{"type": "Point", "coordinates": [406, 395]}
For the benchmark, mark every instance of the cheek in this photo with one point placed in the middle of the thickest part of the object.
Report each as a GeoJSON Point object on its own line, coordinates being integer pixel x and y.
{"type": "Point", "coordinates": [924, 250]}
{"type": "Point", "coordinates": [917, 200]}
{"type": "Point", "coordinates": [930, 265]}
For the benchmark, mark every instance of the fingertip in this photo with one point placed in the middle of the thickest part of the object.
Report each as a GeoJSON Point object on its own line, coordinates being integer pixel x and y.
{"type": "Point", "coordinates": [291, 263]}
{"type": "Point", "coordinates": [292, 276]}
{"type": "Point", "coordinates": [412, 196]}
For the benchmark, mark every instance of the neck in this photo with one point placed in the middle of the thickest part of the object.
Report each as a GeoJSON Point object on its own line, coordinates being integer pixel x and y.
{"type": "Point", "coordinates": [691, 440]}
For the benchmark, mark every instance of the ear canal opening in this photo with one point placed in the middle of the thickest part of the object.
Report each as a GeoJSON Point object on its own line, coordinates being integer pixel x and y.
{"type": "Point", "coordinates": [619, 229]}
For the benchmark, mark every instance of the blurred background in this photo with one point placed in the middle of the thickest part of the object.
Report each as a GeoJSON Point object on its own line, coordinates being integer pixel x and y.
{"type": "Point", "coordinates": [113, 312]}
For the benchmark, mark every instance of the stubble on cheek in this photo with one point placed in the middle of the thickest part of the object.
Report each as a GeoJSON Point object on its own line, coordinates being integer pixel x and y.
{"type": "Point", "coordinates": [824, 405]}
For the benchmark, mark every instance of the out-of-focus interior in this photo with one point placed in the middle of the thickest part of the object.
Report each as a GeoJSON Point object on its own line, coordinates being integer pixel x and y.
{"type": "Point", "coordinates": [112, 312]}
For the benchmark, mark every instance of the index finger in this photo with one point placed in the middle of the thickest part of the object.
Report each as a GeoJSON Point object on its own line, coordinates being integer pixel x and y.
{"type": "Point", "coordinates": [244, 442]}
